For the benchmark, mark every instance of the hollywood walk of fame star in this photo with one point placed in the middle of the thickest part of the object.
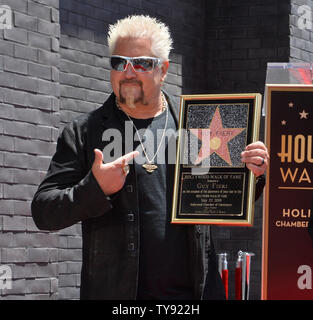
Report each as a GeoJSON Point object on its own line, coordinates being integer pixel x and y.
{"type": "Point", "coordinates": [283, 122]}
{"type": "Point", "coordinates": [303, 114]}
{"type": "Point", "coordinates": [219, 137]}
{"type": "Point", "coordinates": [290, 104]}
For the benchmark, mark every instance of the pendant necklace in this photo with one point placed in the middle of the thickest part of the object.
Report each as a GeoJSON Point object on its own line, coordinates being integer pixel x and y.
{"type": "Point", "coordinates": [149, 166]}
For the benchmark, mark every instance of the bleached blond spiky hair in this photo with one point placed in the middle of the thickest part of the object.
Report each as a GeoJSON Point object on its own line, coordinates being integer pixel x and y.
{"type": "Point", "coordinates": [140, 26]}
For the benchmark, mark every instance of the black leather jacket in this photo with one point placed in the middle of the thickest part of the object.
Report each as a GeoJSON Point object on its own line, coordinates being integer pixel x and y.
{"type": "Point", "coordinates": [110, 226]}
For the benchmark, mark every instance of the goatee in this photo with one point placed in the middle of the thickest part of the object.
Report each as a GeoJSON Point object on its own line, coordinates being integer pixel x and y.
{"type": "Point", "coordinates": [127, 95]}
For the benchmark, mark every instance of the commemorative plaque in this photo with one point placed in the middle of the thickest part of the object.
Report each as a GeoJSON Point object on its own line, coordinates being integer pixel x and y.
{"type": "Point", "coordinates": [212, 185]}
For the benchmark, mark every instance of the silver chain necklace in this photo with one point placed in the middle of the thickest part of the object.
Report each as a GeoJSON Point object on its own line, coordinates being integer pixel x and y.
{"type": "Point", "coordinates": [149, 166]}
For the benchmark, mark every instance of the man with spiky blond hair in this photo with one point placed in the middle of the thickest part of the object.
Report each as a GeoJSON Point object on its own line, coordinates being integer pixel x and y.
{"type": "Point", "coordinates": [117, 187]}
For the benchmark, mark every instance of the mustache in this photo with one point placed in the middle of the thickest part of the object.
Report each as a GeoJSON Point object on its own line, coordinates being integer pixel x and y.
{"type": "Point", "coordinates": [131, 81]}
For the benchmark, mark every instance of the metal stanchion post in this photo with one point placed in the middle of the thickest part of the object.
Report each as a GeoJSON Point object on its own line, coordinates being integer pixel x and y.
{"type": "Point", "coordinates": [242, 275]}
{"type": "Point", "coordinates": [223, 270]}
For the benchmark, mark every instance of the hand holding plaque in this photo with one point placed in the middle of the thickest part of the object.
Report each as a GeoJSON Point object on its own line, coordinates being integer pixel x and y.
{"type": "Point", "coordinates": [212, 184]}
{"type": "Point", "coordinates": [255, 156]}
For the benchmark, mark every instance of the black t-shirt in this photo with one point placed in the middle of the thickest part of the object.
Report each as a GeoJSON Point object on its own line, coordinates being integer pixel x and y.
{"type": "Point", "coordinates": [164, 271]}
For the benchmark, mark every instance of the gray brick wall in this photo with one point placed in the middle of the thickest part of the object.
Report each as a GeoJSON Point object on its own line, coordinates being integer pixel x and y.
{"type": "Point", "coordinates": [29, 102]}
{"type": "Point", "coordinates": [54, 66]}
{"type": "Point", "coordinates": [301, 31]}
{"type": "Point", "coordinates": [242, 37]}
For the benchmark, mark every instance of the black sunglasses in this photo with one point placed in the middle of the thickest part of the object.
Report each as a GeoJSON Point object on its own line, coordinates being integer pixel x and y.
{"type": "Point", "coordinates": [139, 64]}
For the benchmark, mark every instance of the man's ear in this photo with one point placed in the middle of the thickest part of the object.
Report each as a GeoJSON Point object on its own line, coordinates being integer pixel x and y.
{"type": "Point", "coordinates": [164, 69]}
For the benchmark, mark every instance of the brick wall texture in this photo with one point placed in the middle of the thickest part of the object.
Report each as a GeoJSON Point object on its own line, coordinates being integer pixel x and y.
{"type": "Point", "coordinates": [54, 66]}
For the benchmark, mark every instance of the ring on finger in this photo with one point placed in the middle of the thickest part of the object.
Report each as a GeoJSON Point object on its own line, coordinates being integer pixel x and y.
{"type": "Point", "coordinates": [125, 169]}
{"type": "Point", "coordinates": [260, 165]}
